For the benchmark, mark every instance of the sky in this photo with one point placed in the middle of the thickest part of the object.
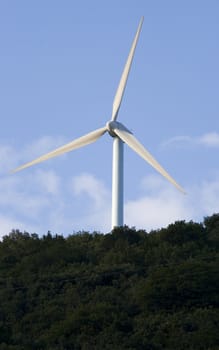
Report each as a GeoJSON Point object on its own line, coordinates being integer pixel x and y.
{"type": "Point", "coordinates": [60, 64]}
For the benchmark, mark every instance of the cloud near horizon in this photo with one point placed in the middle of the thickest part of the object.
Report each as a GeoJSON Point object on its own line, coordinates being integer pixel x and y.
{"type": "Point", "coordinates": [57, 210]}
{"type": "Point", "coordinates": [41, 200]}
{"type": "Point", "coordinates": [160, 204]}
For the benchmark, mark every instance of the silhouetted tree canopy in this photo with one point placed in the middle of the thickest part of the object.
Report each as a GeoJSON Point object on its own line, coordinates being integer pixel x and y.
{"type": "Point", "coordinates": [127, 289]}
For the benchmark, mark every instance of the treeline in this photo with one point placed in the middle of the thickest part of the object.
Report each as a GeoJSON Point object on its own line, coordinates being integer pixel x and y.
{"type": "Point", "coordinates": [128, 289]}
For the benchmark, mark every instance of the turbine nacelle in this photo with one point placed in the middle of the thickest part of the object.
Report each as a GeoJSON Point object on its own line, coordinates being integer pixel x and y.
{"type": "Point", "coordinates": [114, 125]}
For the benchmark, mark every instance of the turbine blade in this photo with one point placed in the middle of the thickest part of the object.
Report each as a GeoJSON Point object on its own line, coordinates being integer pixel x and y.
{"type": "Point", "coordinates": [77, 143]}
{"type": "Point", "coordinates": [122, 84]}
{"type": "Point", "coordinates": [132, 142]}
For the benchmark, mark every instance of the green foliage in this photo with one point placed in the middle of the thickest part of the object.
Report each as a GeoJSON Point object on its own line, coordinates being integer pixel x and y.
{"type": "Point", "coordinates": [212, 227]}
{"type": "Point", "coordinates": [123, 290]}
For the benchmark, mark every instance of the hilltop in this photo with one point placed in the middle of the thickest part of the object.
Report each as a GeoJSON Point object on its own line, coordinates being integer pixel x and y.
{"type": "Point", "coordinates": [128, 289]}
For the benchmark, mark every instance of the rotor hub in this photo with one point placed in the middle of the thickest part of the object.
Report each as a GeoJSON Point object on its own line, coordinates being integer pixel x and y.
{"type": "Point", "coordinates": [111, 125]}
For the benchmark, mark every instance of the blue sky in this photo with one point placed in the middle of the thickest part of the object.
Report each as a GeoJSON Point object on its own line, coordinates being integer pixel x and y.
{"type": "Point", "coordinates": [60, 65]}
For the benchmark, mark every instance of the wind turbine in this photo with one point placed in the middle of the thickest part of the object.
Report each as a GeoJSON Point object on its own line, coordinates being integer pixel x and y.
{"type": "Point", "coordinates": [120, 136]}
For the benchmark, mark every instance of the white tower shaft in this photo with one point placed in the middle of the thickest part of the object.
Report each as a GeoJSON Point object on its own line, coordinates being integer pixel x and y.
{"type": "Point", "coordinates": [117, 183]}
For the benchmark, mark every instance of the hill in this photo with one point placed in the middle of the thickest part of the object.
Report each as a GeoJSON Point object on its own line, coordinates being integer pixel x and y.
{"type": "Point", "coordinates": [125, 290]}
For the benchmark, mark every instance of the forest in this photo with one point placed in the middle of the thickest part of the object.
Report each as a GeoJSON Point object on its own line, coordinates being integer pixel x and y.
{"type": "Point", "coordinates": [127, 289]}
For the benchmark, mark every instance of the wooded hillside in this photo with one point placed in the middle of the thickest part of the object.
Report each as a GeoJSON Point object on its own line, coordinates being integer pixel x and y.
{"type": "Point", "coordinates": [126, 290]}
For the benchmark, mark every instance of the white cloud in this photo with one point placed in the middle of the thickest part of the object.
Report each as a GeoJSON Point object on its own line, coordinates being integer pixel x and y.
{"type": "Point", "coordinates": [29, 200]}
{"type": "Point", "coordinates": [161, 204]}
{"type": "Point", "coordinates": [92, 187]}
{"type": "Point", "coordinates": [43, 145]}
{"type": "Point", "coordinates": [11, 157]}
{"type": "Point", "coordinates": [48, 180]}
{"type": "Point", "coordinates": [98, 210]}
{"type": "Point", "coordinates": [41, 200]}
{"type": "Point", "coordinates": [153, 183]}
{"type": "Point", "coordinates": [181, 140]}
{"type": "Point", "coordinates": [208, 140]}
{"type": "Point", "coordinates": [7, 224]}
{"type": "Point", "coordinates": [7, 158]}
{"type": "Point", "coordinates": [158, 206]}
{"type": "Point", "coordinates": [18, 195]}
{"type": "Point", "coordinates": [209, 196]}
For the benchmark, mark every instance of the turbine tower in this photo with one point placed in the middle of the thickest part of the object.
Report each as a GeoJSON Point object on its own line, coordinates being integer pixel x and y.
{"type": "Point", "coordinates": [120, 136]}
